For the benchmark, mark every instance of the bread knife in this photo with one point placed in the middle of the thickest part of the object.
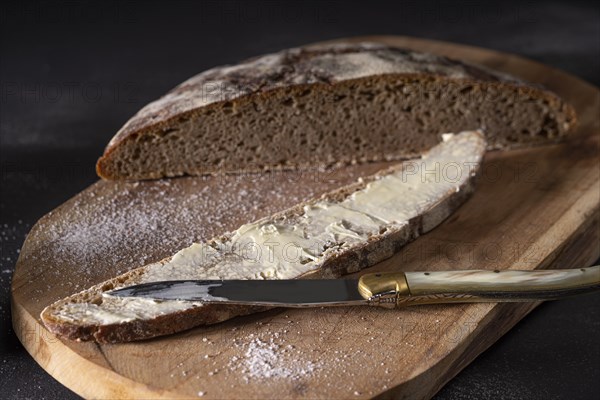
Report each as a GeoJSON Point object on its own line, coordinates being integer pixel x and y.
{"type": "Point", "coordinates": [386, 289]}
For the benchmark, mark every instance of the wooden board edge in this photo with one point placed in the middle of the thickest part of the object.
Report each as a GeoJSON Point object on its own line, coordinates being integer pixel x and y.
{"type": "Point", "coordinates": [71, 369]}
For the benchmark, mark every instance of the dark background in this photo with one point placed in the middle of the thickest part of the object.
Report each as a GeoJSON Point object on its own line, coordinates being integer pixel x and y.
{"type": "Point", "coordinates": [73, 72]}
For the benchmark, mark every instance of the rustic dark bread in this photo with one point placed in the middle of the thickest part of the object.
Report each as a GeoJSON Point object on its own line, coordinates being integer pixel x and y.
{"type": "Point", "coordinates": [89, 315]}
{"type": "Point", "coordinates": [327, 104]}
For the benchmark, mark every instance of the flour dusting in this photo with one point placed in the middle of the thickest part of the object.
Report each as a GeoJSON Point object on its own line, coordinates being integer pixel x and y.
{"type": "Point", "coordinates": [271, 358]}
{"type": "Point", "coordinates": [113, 227]}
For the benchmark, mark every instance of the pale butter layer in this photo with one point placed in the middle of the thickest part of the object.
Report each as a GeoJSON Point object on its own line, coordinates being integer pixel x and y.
{"type": "Point", "coordinates": [289, 248]}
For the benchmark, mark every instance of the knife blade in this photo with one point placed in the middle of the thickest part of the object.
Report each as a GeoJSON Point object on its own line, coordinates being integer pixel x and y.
{"type": "Point", "coordinates": [276, 293]}
{"type": "Point", "coordinates": [391, 289]}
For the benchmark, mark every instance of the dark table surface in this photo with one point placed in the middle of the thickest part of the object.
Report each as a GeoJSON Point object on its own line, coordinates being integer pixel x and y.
{"type": "Point", "coordinates": [72, 73]}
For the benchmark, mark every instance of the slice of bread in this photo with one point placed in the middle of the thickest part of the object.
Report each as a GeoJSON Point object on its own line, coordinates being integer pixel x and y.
{"type": "Point", "coordinates": [325, 105]}
{"type": "Point", "coordinates": [341, 232]}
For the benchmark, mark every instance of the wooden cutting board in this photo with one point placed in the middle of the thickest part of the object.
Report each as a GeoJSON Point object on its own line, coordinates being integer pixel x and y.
{"type": "Point", "coordinates": [535, 208]}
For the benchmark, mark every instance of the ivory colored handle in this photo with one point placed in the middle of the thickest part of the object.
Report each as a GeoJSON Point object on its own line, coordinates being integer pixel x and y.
{"type": "Point", "coordinates": [466, 286]}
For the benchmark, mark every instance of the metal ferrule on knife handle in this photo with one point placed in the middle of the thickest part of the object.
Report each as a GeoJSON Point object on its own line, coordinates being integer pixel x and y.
{"type": "Point", "coordinates": [397, 289]}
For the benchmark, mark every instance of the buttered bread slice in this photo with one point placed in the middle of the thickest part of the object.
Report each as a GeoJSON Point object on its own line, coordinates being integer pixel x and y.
{"type": "Point", "coordinates": [341, 232]}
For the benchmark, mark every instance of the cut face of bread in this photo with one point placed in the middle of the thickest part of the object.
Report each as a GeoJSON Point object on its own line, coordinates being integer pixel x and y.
{"type": "Point", "coordinates": [344, 231]}
{"type": "Point", "coordinates": [333, 104]}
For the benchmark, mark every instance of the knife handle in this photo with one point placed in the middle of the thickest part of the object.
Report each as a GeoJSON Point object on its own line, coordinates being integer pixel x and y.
{"type": "Point", "coordinates": [398, 289]}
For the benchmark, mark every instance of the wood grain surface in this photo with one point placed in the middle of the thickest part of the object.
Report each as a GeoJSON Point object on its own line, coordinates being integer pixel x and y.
{"type": "Point", "coordinates": [534, 208]}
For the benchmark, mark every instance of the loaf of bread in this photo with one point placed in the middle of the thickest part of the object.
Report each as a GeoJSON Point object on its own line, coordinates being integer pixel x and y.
{"type": "Point", "coordinates": [324, 105]}
{"type": "Point", "coordinates": [343, 231]}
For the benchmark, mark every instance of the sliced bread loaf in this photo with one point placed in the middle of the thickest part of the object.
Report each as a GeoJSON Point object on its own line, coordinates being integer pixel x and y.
{"type": "Point", "coordinates": [328, 104]}
{"type": "Point", "coordinates": [344, 231]}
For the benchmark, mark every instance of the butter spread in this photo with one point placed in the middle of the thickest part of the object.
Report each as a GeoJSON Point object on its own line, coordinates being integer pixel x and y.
{"type": "Point", "coordinates": [111, 311]}
{"type": "Point", "coordinates": [286, 248]}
